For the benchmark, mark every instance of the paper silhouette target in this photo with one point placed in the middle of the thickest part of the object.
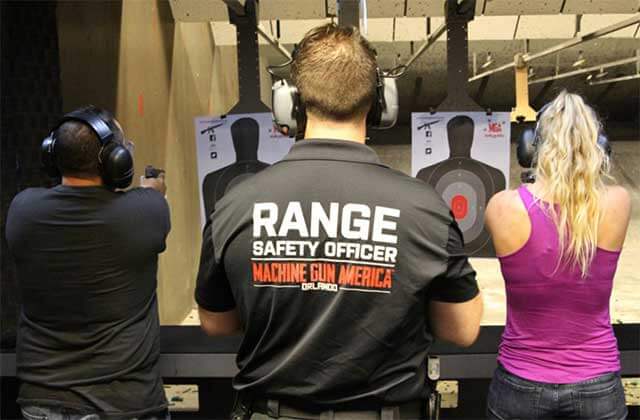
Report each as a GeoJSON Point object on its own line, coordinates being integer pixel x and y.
{"type": "Point", "coordinates": [466, 159]}
{"type": "Point", "coordinates": [231, 149]}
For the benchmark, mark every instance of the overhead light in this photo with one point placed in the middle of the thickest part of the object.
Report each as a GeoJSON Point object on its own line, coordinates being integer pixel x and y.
{"type": "Point", "coordinates": [589, 77]}
{"type": "Point", "coordinates": [488, 62]}
{"type": "Point", "coordinates": [580, 61]}
{"type": "Point", "coordinates": [601, 74]}
{"type": "Point", "coordinates": [532, 72]}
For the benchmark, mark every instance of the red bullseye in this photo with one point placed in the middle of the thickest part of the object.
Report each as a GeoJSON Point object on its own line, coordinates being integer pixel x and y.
{"type": "Point", "coordinates": [459, 206]}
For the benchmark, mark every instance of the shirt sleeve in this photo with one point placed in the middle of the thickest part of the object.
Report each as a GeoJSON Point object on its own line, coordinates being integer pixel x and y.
{"type": "Point", "coordinates": [458, 283]}
{"type": "Point", "coordinates": [149, 215]}
{"type": "Point", "coordinates": [213, 292]}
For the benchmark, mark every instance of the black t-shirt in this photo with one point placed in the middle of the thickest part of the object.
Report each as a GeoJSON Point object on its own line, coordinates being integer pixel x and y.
{"type": "Point", "coordinates": [86, 261]}
{"type": "Point", "coordinates": [331, 258]}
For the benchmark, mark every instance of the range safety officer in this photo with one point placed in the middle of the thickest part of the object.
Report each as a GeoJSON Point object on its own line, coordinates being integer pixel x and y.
{"type": "Point", "coordinates": [338, 270]}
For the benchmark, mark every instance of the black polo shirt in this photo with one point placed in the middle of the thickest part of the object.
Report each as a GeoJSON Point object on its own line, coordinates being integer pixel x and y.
{"type": "Point", "coordinates": [331, 258]}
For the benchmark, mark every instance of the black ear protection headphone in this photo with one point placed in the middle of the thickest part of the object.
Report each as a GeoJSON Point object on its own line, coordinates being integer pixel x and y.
{"type": "Point", "coordinates": [530, 139]}
{"type": "Point", "coordinates": [289, 114]}
{"type": "Point", "coordinates": [114, 159]}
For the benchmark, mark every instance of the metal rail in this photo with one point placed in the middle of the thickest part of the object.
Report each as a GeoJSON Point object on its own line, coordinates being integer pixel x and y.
{"type": "Point", "coordinates": [586, 70]}
{"type": "Point", "coordinates": [400, 70]}
{"type": "Point", "coordinates": [273, 42]}
{"type": "Point", "coordinates": [526, 58]}
{"type": "Point", "coordinates": [615, 79]}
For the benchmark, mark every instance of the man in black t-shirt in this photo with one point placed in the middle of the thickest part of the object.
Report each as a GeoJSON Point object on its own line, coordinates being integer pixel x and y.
{"type": "Point", "coordinates": [338, 269]}
{"type": "Point", "coordinates": [87, 260]}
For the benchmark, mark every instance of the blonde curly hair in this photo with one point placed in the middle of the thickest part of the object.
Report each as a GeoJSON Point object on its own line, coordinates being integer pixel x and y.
{"type": "Point", "coordinates": [572, 168]}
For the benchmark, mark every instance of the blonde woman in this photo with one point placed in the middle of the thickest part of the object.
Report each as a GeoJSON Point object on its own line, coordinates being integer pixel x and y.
{"type": "Point", "coordinates": [558, 241]}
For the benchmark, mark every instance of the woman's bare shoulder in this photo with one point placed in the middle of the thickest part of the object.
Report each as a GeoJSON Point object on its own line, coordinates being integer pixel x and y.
{"type": "Point", "coordinates": [617, 196]}
{"type": "Point", "coordinates": [615, 218]}
{"type": "Point", "coordinates": [504, 205]}
{"type": "Point", "coordinates": [505, 201]}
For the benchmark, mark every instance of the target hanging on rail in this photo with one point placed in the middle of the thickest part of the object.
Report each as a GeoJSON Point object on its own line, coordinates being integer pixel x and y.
{"type": "Point", "coordinates": [442, 157]}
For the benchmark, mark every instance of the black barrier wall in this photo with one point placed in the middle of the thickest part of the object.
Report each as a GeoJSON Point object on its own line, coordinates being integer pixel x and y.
{"type": "Point", "coordinates": [31, 104]}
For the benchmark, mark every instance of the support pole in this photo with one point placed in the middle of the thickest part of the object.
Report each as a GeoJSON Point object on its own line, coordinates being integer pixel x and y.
{"type": "Point", "coordinates": [348, 13]}
{"type": "Point", "coordinates": [458, 14]}
{"type": "Point", "coordinates": [248, 60]}
{"type": "Point", "coordinates": [522, 111]}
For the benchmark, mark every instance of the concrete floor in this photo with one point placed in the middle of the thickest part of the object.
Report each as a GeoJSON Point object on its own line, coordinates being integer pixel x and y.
{"type": "Point", "coordinates": [626, 292]}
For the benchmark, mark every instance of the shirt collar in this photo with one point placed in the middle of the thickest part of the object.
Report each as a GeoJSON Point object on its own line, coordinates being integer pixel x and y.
{"type": "Point", "coordinates": [337, 150]}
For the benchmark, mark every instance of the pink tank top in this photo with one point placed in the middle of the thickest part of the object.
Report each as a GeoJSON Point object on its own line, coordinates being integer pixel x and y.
{"type": "Point", "coordinates": [558, 326]}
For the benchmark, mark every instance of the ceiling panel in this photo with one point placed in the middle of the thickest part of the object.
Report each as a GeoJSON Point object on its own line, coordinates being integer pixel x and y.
{"type": "Point", "coordinates": [379, 30]}
{"type": "Point", "coordinates": [545, 27]}
{"type": "Point", "coordinates": [416, 8]}
{"type": "Point", "coordinates": [436, 22]}
{"type": "Point", "coordinates": [287, 9]}
{"type": "Point", "coordinates": [396, 8]}
{"type": "Point", "coordinates": [499, 95]}
{"type": "Point", "coordinates": [199, 10]}
{"type": "Point", "coordinates": [591, 23]}
{"type": "Point", "coordinates": [292, 31]}
{"type": "Point", "coordinates": [385, 8]}
{"type": "Point", "coordinates": [391, 54]}
{"type": "Point", "coordinates": [375, 8]}
{"type": "Point", "coordinates": [522, 7]}
{"type": "Point", "coordinates": [411, 29]}
{"type": "Point", "coordinates": [600, 6]}
{"type": "Point", "coordinates": [492, 27]}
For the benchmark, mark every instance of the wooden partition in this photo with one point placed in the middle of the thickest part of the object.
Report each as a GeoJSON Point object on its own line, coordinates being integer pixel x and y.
{"type": "Point", "coordinates": [156, 75]}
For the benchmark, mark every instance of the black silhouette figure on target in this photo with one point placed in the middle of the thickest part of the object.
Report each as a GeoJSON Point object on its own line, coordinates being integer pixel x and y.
{"type": "Point", "coordinates": [466, 185]}
{"type": "Point", "coordinates": [245, 133]}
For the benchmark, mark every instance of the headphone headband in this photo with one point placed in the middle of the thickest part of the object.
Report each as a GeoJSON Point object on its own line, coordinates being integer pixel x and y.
{"type": "Point", "coordinates": [90, 117]}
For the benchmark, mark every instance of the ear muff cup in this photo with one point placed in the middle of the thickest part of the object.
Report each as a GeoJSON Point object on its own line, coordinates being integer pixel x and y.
{"type": "Point", "coordinates": [289, 113]}
{"type": "Point", "coordinates": [47, 157]}
{"type": "Point", "coordinates": [526, 147]}
{"type": "Point", "coordinates": [116, 165]}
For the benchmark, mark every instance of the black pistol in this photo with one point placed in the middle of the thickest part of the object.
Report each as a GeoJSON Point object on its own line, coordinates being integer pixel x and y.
{"type": "Point", "coordinates": [151, 172]}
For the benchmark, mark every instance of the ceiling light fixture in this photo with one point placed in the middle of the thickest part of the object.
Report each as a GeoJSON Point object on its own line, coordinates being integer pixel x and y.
{"type": "Point", "coordinates": [488, 62]}
{"type": "Point", "coordinates": [601, 74]}
{"type": "Point", "coordinates": [580, 61]}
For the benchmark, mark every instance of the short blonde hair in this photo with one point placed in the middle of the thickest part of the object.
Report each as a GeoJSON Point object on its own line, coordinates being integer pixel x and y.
{"type": "Point", "coordinates": [334, 69]}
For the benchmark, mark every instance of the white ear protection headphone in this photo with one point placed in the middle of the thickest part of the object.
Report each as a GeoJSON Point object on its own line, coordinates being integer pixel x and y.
{"type": "Point", "coordinates": [289, 114]}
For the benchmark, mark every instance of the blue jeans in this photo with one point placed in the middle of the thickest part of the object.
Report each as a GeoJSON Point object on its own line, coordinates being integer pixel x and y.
{"type": "Point", "coordinates": [512, 397]}
{"type": "Point", "coordinates": [32, 412]}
